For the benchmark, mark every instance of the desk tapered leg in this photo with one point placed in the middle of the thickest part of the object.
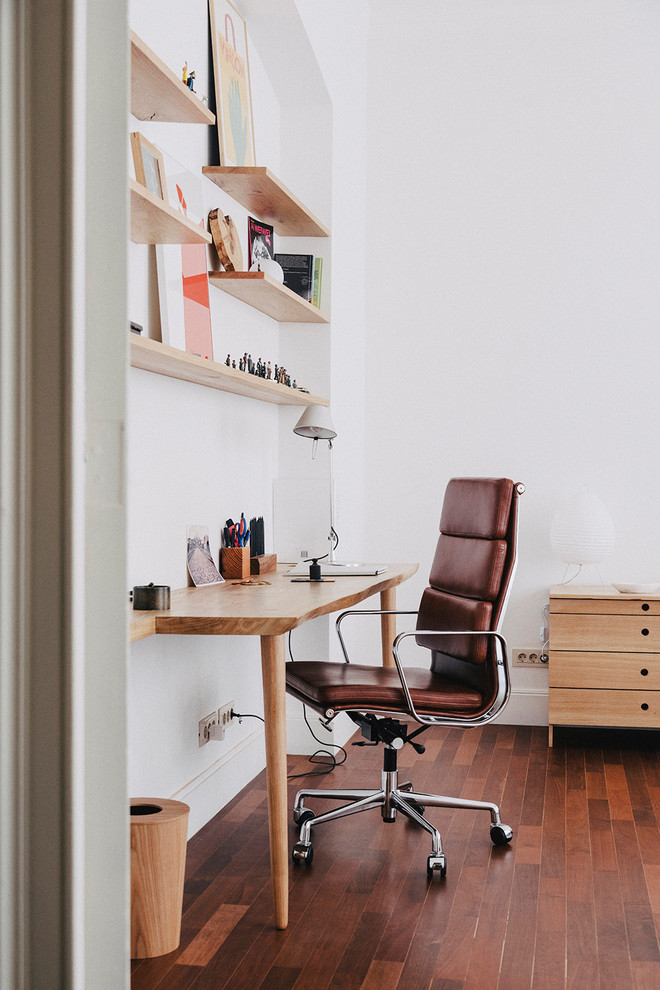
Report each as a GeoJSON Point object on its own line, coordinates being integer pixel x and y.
{"type": "Point", "coordinates": [272, 672]}
{"type": "Point", "coordinates": [388, 625]}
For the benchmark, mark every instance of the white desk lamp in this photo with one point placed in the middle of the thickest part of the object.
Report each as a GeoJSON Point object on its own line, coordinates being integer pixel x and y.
{"type": "Point", "coordinates": [316, 424]}
{"type": "Point", "coordinates": [582, 531]}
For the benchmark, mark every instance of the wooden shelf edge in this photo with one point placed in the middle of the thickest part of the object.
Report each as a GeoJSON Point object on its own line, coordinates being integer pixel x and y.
{"type": "Point", "coordinates": [153, 221]}
{"type": "Point", "coordinates": [265, 293]}
{"type": "Point", "coordinates": [175, 102]}
{"type": "Point", "coordinates": [257, 189]}
{"type": "Point", "coordinates": [151, 355]}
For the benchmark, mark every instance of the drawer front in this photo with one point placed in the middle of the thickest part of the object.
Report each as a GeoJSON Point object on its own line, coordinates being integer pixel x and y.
{"type": "Point", "coordinates": [621, 708]}
{"type": "Point", "coordinates": [605, 633]}
{"type": "Point", "coordinates": [605, 606]}
{"type": "Point", "coordinates": [616, 671]}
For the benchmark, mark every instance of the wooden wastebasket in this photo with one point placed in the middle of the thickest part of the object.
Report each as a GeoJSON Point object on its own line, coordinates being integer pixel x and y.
{"type": "Point", "coordinates": [159, 830]}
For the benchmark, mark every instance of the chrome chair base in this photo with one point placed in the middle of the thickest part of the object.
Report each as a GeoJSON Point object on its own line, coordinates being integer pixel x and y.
{"type": "Point", "coordinates": [391, 798]}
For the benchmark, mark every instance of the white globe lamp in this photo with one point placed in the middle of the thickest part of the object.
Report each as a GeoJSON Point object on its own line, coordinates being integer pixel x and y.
{"type": "Point", "coordinates": [582, 531]}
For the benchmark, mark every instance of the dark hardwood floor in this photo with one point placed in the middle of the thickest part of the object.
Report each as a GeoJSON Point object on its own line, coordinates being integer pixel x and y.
{"type": "Point", "coordinates": [573, 901]}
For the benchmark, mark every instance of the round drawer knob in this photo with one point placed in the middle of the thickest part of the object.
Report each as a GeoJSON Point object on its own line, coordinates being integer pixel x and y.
{"type": "Point", "coordinates": [645, 607]}
{"type": "Point", "coordinates": [644, 672]}
{"type": "Point", "coordinates": [645, 707]}
{"type": "Point", "coordinates": [645, 632]}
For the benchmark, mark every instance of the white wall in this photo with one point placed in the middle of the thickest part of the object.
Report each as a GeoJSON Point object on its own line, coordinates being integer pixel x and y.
{"type": "Point", "coordinates": [513, 301]}
{"type": "Point", "coordinates": [197, 455]}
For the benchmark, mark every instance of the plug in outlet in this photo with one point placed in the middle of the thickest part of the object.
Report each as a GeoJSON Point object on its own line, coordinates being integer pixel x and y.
{"type": "Point", "coordinates": [214, 725]}
{"type": "Point", "coordinates": [204, 728]}
{"type": "Point", "coordinates": [225, 716]}
{"type": "Point", "coordinates": [529, 658]}
{"type": "Point", "coordinates": [224, 721]}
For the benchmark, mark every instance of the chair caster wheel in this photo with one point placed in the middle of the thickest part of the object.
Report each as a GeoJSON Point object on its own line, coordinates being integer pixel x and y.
{"type": "Point", "coordinates": [500, 834]}
{"type": "Point", "coordinates": [302, 815]}
{"type": "Point", "coordinates": [302, 853]}
{"type": "Point", "coordinates": [436, 864]}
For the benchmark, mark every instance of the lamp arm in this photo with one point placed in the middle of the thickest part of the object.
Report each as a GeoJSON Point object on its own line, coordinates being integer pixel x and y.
{"type": "Point", "coordinates": [331, 535]}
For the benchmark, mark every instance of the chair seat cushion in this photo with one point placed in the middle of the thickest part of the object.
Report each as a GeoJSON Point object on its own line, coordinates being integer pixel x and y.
{"type": "Point", "coordinates": [357, 687]}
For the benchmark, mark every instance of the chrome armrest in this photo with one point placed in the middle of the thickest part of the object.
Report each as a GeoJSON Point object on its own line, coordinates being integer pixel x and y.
{"type": "Point", "coordinates": [364, 611]}
{"type": "Point", "coordinates": [505, 685]}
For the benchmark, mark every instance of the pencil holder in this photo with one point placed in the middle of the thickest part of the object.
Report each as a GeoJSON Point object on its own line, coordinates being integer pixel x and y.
{"type": "Point", "coordinates": [235, 562]}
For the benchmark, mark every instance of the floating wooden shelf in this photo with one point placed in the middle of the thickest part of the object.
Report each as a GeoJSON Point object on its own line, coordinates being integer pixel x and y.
{"type": "Point", "coordinates": [151, 355]}
{"type": "Point", "coordinates": [269, 296]}
{"type": "Point", "coordinates": [153, 221]}
{"type": "Point", "coordinates": [262, 193]}
{"type": "Point", "coordinates": [158, 94]}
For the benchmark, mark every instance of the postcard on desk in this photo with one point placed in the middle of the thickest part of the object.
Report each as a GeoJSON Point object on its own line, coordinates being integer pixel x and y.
{"type": "Point", "coordinates": [339, 570]}
{"type": "Point", "coordinates": [201, 567]}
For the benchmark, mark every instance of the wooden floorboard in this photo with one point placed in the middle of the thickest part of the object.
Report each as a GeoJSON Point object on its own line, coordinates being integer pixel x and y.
{"type": "Point", "coordinates": [573, 901]}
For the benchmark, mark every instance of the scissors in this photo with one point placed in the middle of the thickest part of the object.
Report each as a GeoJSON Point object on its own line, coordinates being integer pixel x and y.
{"type": "Point", "coordinates": [243, 532]}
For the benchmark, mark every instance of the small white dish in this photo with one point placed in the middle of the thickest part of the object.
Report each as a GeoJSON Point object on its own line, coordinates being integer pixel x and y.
{"type": "Point", "coordinates": [637, 589]}
{"type": "Point", "coordinates": [270, 267]}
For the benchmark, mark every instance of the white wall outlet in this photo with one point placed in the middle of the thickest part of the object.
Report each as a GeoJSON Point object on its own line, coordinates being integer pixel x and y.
{"type": "Point", "coordinates": [204, 727]}
{"type": "Point", "coordinates": [529, 658]}
{"type": "Point", "coordinates": [225, 716]}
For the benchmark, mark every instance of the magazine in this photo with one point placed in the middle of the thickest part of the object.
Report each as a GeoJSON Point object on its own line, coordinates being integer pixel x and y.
{"type": "Point", "coordinates": [260, 242]}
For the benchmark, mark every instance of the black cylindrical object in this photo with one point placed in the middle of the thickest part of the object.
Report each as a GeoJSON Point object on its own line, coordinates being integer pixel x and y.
{"type": "Point", "coordinates": [151, 596]}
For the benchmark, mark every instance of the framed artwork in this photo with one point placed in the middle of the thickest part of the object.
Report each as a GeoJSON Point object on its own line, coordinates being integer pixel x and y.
{"type": "Point", "coordinates": [183, 284]}
{"type": "Point", "coordinates": [149, 167]}
{"type": "Point", "coordinates": [233, 96]}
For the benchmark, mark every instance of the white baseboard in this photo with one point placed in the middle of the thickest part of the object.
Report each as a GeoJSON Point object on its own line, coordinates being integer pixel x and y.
{"type": "Point", "coordinates": [211, 790]}
{"type": "Point", "coordinates": [527, 706]}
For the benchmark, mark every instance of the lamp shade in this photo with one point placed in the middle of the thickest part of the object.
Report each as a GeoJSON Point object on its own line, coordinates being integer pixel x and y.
{"type": "Point", "coordinates": [316, 424]}
{"type": "Point", "coordinates": [582, 531]}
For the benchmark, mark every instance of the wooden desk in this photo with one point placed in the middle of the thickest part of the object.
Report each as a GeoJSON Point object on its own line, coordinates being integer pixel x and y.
{"type": "Point", "coordinates": [269, 611]}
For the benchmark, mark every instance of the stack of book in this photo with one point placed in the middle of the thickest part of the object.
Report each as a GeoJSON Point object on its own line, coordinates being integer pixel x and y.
{"type": "Point", "coordinates": [303, 273]}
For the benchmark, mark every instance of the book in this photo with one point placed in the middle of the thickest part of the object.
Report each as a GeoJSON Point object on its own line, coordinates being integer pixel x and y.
{"type": "Point", "coordinates": [260, 243]}
{"type": "Point", "coordinates": [316, 282]}
{"type": "Point", "coordinates": [298, 273]}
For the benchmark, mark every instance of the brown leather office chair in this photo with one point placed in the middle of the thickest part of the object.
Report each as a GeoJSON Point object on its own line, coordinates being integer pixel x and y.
{"type": "Point", "coordinates": [465, 682]}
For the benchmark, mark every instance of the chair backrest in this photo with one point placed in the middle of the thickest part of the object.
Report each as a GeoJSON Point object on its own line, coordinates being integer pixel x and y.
{"type": "Point", "coordinates": [471, 574]}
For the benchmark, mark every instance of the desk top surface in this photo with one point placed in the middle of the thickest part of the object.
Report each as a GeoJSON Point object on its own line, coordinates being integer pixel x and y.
{"type": "Point", "coordinates": [247, 608]}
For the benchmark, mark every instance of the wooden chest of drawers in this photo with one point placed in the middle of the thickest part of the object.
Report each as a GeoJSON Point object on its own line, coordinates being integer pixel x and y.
{"type": "Point", "coordinates": [604, 658]}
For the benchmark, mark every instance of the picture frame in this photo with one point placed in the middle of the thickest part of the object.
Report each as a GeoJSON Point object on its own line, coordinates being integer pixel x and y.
{"type": "Point", "coordinates": [233, 94]}
{"type": "Point", "coordinates": [149, 165]}
{"type": "Point", "coordinates": [182, 271]}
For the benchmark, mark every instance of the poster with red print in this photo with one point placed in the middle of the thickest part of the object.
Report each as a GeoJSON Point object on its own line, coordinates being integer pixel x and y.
{"type": "Point", "coordinates": [183, 285]}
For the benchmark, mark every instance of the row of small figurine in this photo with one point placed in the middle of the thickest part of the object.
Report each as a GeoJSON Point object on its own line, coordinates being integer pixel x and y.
{"type": "Point", "coordinates": [261, 369]}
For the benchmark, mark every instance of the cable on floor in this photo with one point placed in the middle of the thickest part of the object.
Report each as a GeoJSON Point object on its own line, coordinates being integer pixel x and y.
{"type": "Point", "coordinates": [322, 758]}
